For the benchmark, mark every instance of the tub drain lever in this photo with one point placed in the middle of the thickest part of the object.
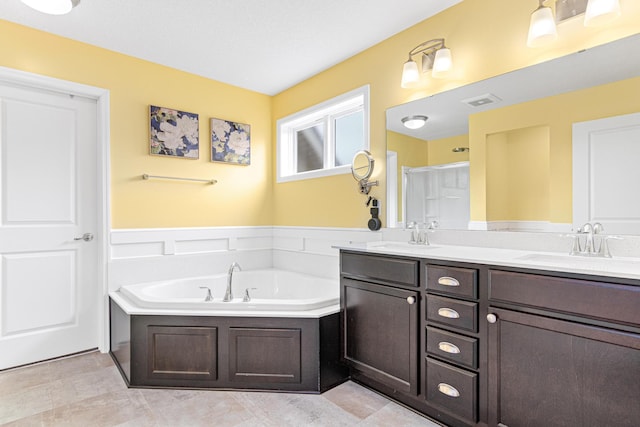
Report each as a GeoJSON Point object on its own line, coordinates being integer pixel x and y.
{"type": "Point", "coordinates": [209, 297]}
{"type": "Point", "coordinates": [247, 297]}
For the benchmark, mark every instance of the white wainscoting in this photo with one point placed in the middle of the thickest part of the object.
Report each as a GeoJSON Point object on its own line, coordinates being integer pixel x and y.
{"type": "Point", "coordinates": [310, 249]}
{"type": "Point", "coordinates": [144, 255]}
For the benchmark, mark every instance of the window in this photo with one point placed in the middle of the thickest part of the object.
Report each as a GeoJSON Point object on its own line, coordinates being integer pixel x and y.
{"type": "Point", "coordinates": [321, 140]}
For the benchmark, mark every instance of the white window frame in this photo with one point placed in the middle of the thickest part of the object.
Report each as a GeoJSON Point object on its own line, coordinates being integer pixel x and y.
{"type": "Point", "coordinates": [326, 112]}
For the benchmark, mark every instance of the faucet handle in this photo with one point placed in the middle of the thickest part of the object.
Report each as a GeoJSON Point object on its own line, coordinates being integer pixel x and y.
{"type": "Point", "coordinates": [247, 297]}
{"type": "Point", "coordinates": [575, 247]}
{"type": "Point", "coordinates": [209, 297]}
{"type": "Point", "coordinates": [604, 245]}
{"type": "Point", "coordinates": [411, 225]}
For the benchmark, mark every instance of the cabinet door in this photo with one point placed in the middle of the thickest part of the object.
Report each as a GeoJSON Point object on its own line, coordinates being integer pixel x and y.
{"type": "Point", "coordinates": [381, 333]}
{"type": "Point", "coordinates": [169, 360]}
{"type": "Point", "coordinates": [548, 372]}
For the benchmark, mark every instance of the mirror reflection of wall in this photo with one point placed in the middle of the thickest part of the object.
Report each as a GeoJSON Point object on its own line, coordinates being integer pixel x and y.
{"type": "Point", "coordinates": [518, 179]}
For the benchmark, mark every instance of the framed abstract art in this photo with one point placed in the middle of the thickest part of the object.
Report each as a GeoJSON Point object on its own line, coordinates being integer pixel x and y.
{"type": "Point", "coordinates": [174, 133]}
{"type": "Point", "coordinates": [230, 142]}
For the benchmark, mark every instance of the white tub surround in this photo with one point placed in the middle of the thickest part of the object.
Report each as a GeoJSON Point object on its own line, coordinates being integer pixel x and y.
{"type": "Point", "coordinates": [273, 293]}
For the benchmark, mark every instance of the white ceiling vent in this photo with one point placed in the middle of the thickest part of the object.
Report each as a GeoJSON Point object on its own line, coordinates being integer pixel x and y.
{"type": "Point", "coordinates": [479, 101]}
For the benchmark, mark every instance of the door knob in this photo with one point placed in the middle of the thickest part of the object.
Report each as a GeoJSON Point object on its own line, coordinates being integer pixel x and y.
{"type": "Point", "coordinates": [492, 318]}
{"type": "Point", "coordinates": [87, 237]}
{"type": "Point", "coordinates": [411, 300]}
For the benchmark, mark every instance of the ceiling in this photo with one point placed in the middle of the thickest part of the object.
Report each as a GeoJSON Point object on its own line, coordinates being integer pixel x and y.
{"type": "Point", "coordinates": [263, 45]}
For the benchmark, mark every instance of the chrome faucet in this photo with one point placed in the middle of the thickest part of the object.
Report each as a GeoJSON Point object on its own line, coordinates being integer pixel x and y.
{"type": "Point", "coordinates": [228, 295]}
{"type": "Point", "coordinates": [588, 245]}
{"type": "Point", "coordinates": [590, 248]}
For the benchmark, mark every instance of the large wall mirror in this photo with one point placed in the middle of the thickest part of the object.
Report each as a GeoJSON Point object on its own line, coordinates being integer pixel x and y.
{"type": "Point", "coordinates": [515, 133]}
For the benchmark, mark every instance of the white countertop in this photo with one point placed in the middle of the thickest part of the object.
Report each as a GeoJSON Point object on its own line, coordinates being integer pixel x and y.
{"type": "Point", "coordinates": [623, 267]}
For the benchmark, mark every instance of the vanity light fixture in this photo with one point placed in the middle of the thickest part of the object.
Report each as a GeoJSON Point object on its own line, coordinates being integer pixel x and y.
{"type": "Point", "coordinates": [601, 12]}
{"type": "Point", "coordinates": [414, 122]}
{"type": "Point", "coordinates": [52, 7]}
{"type": "Point", "coordinates": [542, 27]}
{"type": "Point", "coordinates": [460, 149]}
{"type": "Point", "coordinates": [435, 57]}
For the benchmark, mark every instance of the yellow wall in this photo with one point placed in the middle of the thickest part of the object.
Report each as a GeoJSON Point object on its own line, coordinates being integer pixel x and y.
{"type": "Point", "coordinates": [242, 195]}
{"type": "Point", "coordinates": [557, 114]}
{"type": "Point", "coordinates": [486, 38]}
{"type": "Point", "coordinates": [518, 175]}
{"type": "Point", "coordinates": [248, 195]}
{"type": "Point", "coordinates": [441, 150]}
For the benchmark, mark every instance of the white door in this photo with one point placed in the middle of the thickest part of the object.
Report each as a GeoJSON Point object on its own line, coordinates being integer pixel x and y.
{"type": "Point", "coordinates": [49, 287]}
{"type": "Point", "coordinates": [606, 173]}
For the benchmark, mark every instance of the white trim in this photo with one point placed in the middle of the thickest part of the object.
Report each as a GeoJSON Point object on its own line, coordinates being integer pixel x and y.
{"type": "Point", "coordinates": [519, 226]}
{"type": "Point", "coordinates": [286, 125]}
{"type": "Point", "coordinates": [32, 80]}
{"type": "Point", "coordinates": [392, 190]}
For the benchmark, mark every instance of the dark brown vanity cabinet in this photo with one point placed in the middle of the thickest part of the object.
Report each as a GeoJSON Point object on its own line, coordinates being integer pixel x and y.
{"type": "Point", "coordinates": [380, 302]}
{"type": "Point", "coordinates": [452, 341]}
{"type": "Point", "coordinates": [481, 345]}
{"type": "Point", "coordinates": [563, 351]}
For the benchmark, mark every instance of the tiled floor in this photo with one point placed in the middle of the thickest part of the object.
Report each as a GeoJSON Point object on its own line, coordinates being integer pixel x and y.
{"type": "Point", "coordinates": [87, 390]}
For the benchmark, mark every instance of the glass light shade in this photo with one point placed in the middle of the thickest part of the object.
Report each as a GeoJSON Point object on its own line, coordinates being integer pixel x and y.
{"type": "Point", "coordinates": [600, 12]}
{"type": "Point", "coordinates": [442, 62]}
{"type": "Point", "coordinates": [52, 7]}
{"type": "Point", "coordinates": [414, 122]}
{"type": "Point", "coordinates": [410, 74]}
{"type": "Point", "coordinates": [542, 28]}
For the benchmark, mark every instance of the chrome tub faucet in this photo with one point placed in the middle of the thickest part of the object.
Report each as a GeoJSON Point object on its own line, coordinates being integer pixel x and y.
{"type": "Point", "coordinates": [228, 295]}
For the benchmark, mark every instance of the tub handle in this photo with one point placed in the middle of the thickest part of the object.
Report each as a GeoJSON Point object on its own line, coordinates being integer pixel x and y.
{"type": "Point", "coordinates": [209, 297]}
{"type": "Point", "coordinates": [247, 297]}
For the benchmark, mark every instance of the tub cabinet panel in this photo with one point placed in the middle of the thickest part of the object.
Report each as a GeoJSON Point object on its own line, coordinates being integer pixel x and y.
{"type": "Point", "coordinates": [211, 352]}
{"type": "Point", "coordinates": [168, 358]}
{"type": "Point", "coordinates": [265, 355]}
{"type": "Point", "coordinates": [120, 339]}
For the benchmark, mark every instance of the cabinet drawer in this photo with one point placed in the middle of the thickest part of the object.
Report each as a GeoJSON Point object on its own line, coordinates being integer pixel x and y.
{"type": "Point", "coordinates": [592, 299]}
{"type": "Point", "coordinates": [452, 388]}
{"type": "Point", "coordinates": [456, 313]}
{"type": "Point", "coordinates": [402, 271]}
{"type": "Point", "coordinates": [454, 347]}
{"type": "Point", "coordinates": [453, 281]}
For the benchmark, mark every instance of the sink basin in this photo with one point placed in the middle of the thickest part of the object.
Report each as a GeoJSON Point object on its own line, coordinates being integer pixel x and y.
{"type": "Point", "coordinates": [595, 263]}
{"type": "Point", "coordinates": [399, 247]}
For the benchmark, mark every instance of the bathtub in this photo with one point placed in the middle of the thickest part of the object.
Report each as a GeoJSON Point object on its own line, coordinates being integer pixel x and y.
{"type": "Point", "coordinates": [270, 290]}
{"type": "Point", "coordinates": [292, 321]}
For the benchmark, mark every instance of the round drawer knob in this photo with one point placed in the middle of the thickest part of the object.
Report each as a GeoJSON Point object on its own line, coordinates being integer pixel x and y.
{"type": "Point", "coordinates": [411, 300]}
{"type": "Point", "coordinates": [492, 318]}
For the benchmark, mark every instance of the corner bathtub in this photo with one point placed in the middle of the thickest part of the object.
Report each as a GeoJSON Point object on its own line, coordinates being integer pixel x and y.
{"type": "Point", "coordinates": [270, 290]}
{"type": "Point", "coordinates": [287, 338]}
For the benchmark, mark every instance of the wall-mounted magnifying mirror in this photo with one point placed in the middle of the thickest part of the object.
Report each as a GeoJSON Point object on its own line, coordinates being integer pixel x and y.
{"type": "Point", "coordinates": [361, 169]}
